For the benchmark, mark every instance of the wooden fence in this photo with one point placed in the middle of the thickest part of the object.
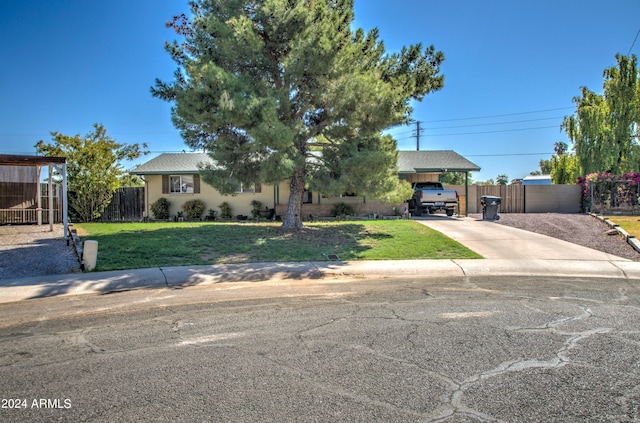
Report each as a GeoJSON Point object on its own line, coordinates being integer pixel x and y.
{"type": "Point", "coordinates": [19, 203]}
{"type": "Point", "coordinates": [127, 205]}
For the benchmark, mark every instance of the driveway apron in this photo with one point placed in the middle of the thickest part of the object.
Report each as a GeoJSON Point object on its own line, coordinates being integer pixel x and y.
{"type": "Point", "coordinates": [495, 241]}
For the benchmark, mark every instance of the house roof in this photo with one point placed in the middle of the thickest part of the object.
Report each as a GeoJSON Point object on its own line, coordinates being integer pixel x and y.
{"type": "Point", "coordinates": [408, 162]}
{"type": "Point", "coordinates": [434, 161]}
{"type": "Point", "coordinates": [172, 163]}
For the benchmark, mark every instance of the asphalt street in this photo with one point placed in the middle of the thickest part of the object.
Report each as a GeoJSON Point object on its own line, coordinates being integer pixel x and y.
{"type": "Point", "coordinates": [439, 349]}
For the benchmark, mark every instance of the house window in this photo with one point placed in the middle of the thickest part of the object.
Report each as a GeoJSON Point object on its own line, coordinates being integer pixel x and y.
{"type": "Point", "coordinates": [181, 184]}
{"type": "Point", "coordinates": [244, 189]}
{"type": "Point", "coordinates": [307, 197]}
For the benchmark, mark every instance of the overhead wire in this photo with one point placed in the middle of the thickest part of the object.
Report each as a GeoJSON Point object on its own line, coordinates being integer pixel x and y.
{"type": "Point", "coordinates": [500, 115]}
{"type": "Point", "coordinates": [634, 42]}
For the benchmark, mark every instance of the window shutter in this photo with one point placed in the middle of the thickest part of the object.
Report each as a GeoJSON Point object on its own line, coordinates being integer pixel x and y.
{"type": "Point", "coordinates": [196, 184]}
{"type": "Point", "coordinates": [165, 184]}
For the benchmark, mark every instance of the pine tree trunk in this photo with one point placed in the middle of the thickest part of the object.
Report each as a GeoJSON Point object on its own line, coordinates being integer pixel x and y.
{"type": "Point", "coordinates": [292, 217]}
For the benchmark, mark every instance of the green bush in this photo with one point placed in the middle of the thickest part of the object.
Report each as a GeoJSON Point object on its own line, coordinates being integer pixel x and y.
{"type": "Point", "coordinates": [225, 211]}
{"type": "Point", "coordinates": [160, 208]}
{"type": "Point", "coordinates": [342, 209]}
{"type": "Point", "coordinates": [256, 208]}
{"type": "Point", "coordinates": [194, 208]}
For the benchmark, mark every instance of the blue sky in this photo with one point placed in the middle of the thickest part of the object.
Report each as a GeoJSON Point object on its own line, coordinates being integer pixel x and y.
{"type": "Point", "coordinates": [511, 69]}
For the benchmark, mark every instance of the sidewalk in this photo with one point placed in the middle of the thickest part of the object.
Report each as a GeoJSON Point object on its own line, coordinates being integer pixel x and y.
{"type": "Point", "coordinates": [507, 252]}
{"type": "Point", "coordinates": [177, 277]}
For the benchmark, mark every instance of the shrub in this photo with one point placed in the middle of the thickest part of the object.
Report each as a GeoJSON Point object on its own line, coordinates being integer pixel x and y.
{"type": "Point", "coordinates": [256, 208]}
{"type": "Point", "coordinates": [160, 208]}
{"type": "Point", "coordinates": [342, 209]}
{"type": "Point", "coordinates": [194, 208]}
{"type": "Point", "coordinates": [225, 211]}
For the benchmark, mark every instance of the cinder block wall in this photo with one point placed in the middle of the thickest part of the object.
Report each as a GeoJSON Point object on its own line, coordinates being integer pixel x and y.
{"type": "Point", "coordinates": [552, 198]}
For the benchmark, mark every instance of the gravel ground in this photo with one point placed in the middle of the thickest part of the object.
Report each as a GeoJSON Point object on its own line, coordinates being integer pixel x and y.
{"type": "Point", "coordinates": [27, 251]}
{"type": "Point", "coordinates": [31, 250]}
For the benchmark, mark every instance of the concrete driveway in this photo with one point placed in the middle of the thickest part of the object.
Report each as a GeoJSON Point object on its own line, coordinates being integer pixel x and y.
{"type": "Point", "coordinates": [494, 241]}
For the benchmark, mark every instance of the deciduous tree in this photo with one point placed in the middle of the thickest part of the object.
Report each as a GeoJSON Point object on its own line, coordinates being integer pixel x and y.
{"type": "Point", "coordinates": [565, 169]}
{"type": "Point", "coordinates": [94, 170]}
{"type": "Point", "coordinates": [604, 128]}
{"type": "Point", "coordinates": [281, 90]}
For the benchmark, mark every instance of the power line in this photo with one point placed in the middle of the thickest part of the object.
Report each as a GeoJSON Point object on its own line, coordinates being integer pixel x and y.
{"type": "Point", "coordinates": [497, 123]}
{"type": "Point", "coordinates": [471, 126]}
{"type": "Point", "coordinates": [634, 42]}
{"type": "Point", "coordinates": [493, 132]}
{"type": "Point", "coordinates": [502, 115]}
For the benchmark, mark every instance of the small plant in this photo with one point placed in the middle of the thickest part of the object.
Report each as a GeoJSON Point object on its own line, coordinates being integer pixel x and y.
{"type": "Point", "coordinates": [160, 208]}
{"type": "Point", "coordinates": [211, 214]}
{"type": "Point", "coordinates": [342, 209]}
{"type": "Point", "coordinates": [194, 208]}
{"type": "Point", "coordinates": [225, 211]}
{"type": "Point", "coordinates": [256, 207]}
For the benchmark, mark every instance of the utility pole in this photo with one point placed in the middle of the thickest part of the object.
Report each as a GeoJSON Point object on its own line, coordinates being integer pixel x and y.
{"type": "Point", "coordinates": [418, 135]}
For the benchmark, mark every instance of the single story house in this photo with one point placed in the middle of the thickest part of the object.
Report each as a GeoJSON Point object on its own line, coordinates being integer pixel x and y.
{"type": "Point", "coordinates": [175, 177]}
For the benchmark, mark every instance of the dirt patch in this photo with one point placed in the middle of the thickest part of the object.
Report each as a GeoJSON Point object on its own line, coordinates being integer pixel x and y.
{"type": "Point", "coordinates": [581, 229]}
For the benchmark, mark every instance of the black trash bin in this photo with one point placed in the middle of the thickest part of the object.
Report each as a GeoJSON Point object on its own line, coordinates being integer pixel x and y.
{"type": "Point", "coordinates": [490, 205]}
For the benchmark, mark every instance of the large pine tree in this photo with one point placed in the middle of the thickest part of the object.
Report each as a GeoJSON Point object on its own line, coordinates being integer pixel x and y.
{"type": "Point", "coordinates": [281, 90]}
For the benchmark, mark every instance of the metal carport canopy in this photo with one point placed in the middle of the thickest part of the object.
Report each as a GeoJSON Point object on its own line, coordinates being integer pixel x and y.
{"type": "Point", "coordinates": [410, 162]}
{"type": "Point", "coordinates": [434, 161]}
{"type": "Point", "coordinates": [59, 162]}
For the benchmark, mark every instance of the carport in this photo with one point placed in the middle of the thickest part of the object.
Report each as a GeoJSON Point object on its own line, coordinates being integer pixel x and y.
{"type": "Point", "coordinates": [425, 166]}
{"type": "Point", "coordinates": [15, 173]}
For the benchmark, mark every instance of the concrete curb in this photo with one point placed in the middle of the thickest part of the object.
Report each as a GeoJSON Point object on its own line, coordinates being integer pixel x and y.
{"type": "Point", "coordinates": [630, 239]}
{"type": "Point", "coordinates": [180, 277]}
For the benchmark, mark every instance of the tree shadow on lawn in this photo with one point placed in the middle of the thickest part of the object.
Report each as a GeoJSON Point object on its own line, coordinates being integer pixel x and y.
{"type": "Point", "coordinates": [230, 244]}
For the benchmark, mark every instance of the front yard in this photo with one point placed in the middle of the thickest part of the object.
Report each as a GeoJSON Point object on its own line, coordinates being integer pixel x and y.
{"type": "Point", "coordinates": [631, 224]}
{"type": "Point", "coordinates": [141, 245]}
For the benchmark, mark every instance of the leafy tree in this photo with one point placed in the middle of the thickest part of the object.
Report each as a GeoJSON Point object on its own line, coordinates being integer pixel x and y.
{"type": "Point", "coordinates": [502, 180]}
{"type": "Point", "coordinates": [281, 90]}
{"type": "Point", "coordinates": [545, 167]}
{"type": "Point", "coordinates": [565, 169]}
{"type": "Point", "coordinates": [94, 171]}
{"type": "Point", "coordinates": [604, 128]}
{"type": "Point", "coordinates": [487, 182]}
{"type": "Point", "coordinates": [454, 178]}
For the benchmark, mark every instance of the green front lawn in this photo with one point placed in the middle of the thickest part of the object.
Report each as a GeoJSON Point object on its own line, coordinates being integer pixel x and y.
{"type": "Point", "coordinates": [631, 224]}
{"type": "Point", "coordinates": [140, 245]}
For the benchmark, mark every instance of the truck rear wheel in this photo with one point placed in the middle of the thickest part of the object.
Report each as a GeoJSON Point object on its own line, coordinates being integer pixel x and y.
{"type": "Point", "coordinates": [449, 212]}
